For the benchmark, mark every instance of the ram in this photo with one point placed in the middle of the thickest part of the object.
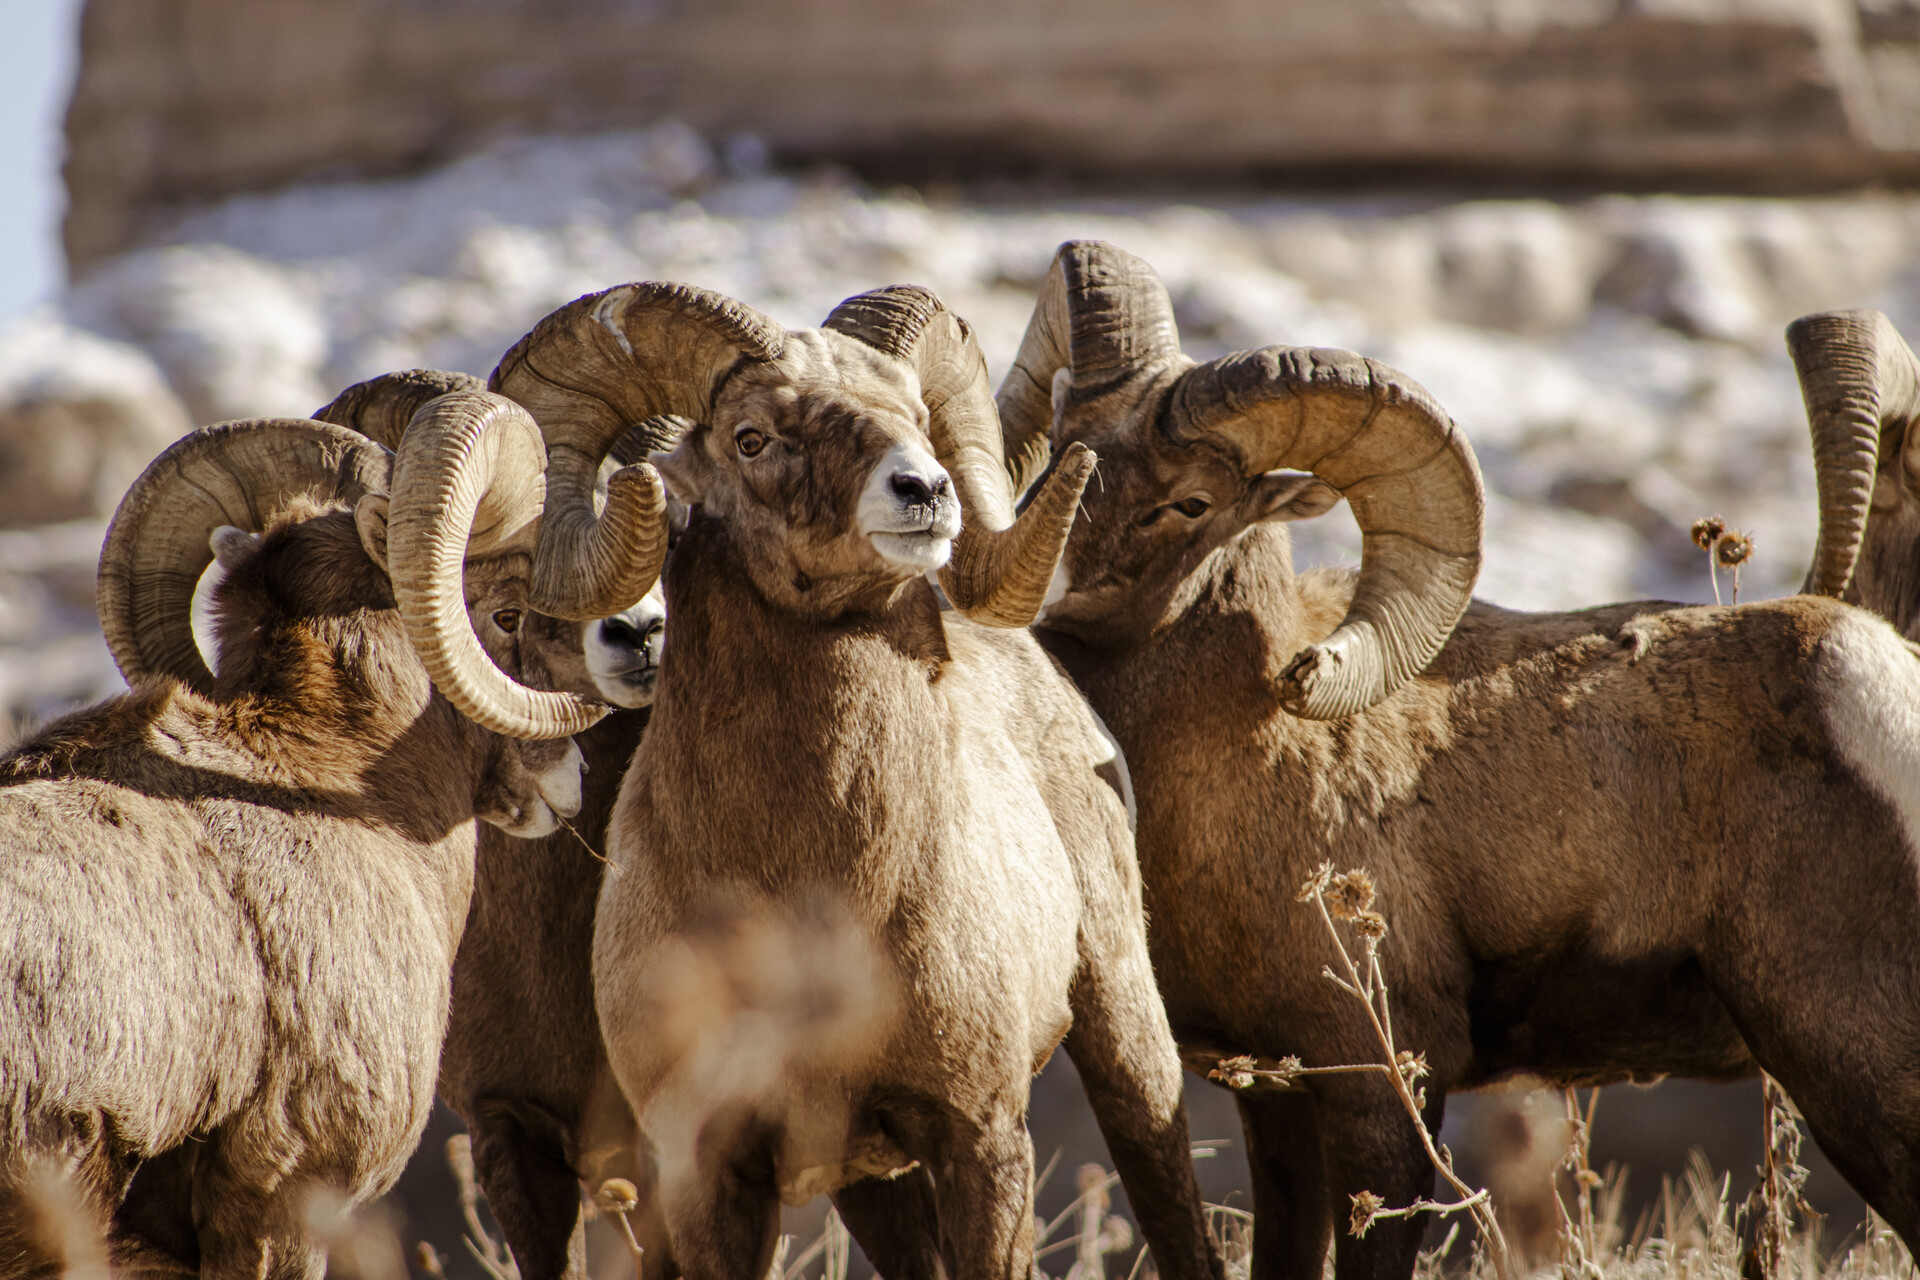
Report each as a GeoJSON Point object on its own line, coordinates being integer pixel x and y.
{"type": "Point", "coordinates": [233, 899]}
{"type": "Point", "coordinates": [1635, 840]}
{"type": "Point", "coordinates": [523, 1063]}
{"type": "Point", "coordinates": [863, 854]}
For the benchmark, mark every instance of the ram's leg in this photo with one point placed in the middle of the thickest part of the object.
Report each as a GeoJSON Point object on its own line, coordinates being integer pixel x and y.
{"type": "Point", "coordinates": [245, 1235]}
{"type": "Point", "coordinates": [1130, 1068]}
{"type": "Point", "coordinates": [1292, 1219]}
{"type": "Point", "coordinates": [612, 1146]}
{"type": "Point", "coordinates": [519, 1160]}
{"type": "Point", "coordinates": [896, 1222]}
{"type": "Point", "coordinates": [1368, 1143]}
{"type": "Point", "coordinates": [724, 1213]}
{"type": "Point", "coordinates": [1846, 1055]}
{"type": "Point", "coordinates": [986, 1199]}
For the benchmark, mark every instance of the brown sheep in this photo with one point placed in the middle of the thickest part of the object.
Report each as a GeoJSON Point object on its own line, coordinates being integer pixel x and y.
{"type": "Point", "coordinates": [901, 866]}
{"type": "Point", "coordinates": [279, 855]}
{"type": "Point", "coordinates": [523, 1063]}
{"type": "Point", "coordinates": [1617, 843]}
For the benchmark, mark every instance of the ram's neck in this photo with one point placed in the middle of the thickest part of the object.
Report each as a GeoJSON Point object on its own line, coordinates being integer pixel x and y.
{"type": "Point", "coordinates": [818, 742]}
{"type": "Point", "coordinates": [1222, 641]}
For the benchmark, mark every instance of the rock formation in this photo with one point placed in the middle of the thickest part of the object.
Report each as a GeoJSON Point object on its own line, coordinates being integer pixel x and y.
{"type": "Point", "coordinates": [196, 99]}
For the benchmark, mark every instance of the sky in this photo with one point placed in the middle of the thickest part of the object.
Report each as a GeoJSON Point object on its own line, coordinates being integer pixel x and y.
{"type": "Point", "coordinates": [37, 45]}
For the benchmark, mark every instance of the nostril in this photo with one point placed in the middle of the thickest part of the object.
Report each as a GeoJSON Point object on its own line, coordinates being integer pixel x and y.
{"type": "Point", "coordinates": [619, 631]}
{"type": "Point", "coordinates": [914, 489]}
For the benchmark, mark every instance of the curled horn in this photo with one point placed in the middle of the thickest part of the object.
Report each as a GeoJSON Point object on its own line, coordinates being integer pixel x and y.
{"type": "Point", "coordinates": [467, 482]}
{"type": "Point", "coordinates": [1001, 566]}
{"type": "Point", "coordinates": [1372, 433]}
{"type": "Point", "coordinates": [380, 408]}
{"type": "Point", "coordinates": [588, 373]}
{"type": "Point", "coordinates": [1104, 316]}
{"type": "Point", "coordinates": [236, 473]}
{"type": "Point", "coordinates": [1406, 472]}
{"type": "Point", "coordinates": [1861, 386]}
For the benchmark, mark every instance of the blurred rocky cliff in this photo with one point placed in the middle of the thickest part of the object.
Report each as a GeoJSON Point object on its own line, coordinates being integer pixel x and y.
{"type": "Point", "coordinates": [193, 99]}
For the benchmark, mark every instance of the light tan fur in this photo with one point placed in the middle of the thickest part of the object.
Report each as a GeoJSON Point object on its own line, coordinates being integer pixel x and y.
{"type": "Point", "coordinates": [865, 873]}
{"type": "Point", "coordinates": [231, 919]}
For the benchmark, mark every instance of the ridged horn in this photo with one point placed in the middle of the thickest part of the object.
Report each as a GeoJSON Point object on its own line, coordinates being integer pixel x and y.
{"type": "Point", "coordinates": [1102, 314]}
{"type": "Point", "coordinates": [1861, 386]}
{"type": "Point", "coordinates": [1001, 565]}
{"type": "Point", "coordinates": [588, 373]}
{"type": "Point", "coordinates": [467, 482]}
{"type": "Point", "coordinates": [380, 408]}
{"type": "Point", "coordinates": [1405, 470]}
{"type": "Point", "coordinates": [237, 473]}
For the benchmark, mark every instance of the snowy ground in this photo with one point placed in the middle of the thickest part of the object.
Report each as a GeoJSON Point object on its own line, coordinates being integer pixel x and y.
{"type": "Point", "coordinates": [1616, 363]}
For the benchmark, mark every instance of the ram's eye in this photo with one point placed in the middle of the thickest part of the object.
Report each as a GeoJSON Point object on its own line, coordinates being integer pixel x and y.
{"type": "Point", "coordinates": [1192, 508]}
{"type": "Point", "coordinates": [507, 620]}
{"type": "Point", "coordinates": [749, 441]}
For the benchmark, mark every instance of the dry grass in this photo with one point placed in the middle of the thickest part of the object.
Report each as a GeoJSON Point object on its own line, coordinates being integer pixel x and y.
{"type": "Point", "coordinates": [1694, 1232]}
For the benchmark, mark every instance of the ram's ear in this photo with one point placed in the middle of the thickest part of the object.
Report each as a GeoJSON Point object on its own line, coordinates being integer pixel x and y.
{"type": "Point", "coordinates": [370, 518]}
{"type": "Point", "coordinates": [686, 470]}
{"type": "Point", "coordinates": [231, 544]}
{"type": "Point", "coordinates": [1280, 496]}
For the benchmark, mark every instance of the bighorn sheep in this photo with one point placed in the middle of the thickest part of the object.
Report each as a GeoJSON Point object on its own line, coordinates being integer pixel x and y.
{"type": "Point", "coordinates": [1862, 390]}
{"type": "Point", "coordinates": [523, 1063]}
{"type": "Point", "coordinates": [907, 853]}
{"type": "Point", "coordinates": [1638, 839]}
{"type": "Point", "coordinates": [278, 856]}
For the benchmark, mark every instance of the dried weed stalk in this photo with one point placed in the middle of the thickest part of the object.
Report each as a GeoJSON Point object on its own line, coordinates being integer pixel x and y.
{"type": "Point", "coordinates": [617, 1198]}
{"type": "Point", "coordinates": [1350, 897]}
{"type": "Point", "coordinates": [1581, 1246]}
{"type": "Point", "coordinates": [1777, 1196]}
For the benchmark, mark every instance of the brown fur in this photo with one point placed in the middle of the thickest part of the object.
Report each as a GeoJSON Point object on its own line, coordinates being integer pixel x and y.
{"type": "Point", "coordinates": [828, 747]}
{"type": "Point", "coordinates": [231, 919]}
{"type": "Point", "coordinates": [1612, 844]}
{"type": "Point", "coordinates": [524, 1065]}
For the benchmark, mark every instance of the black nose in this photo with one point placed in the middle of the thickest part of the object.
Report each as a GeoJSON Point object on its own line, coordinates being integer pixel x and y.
{"type": "Point", "coordinates": [619, 631]}
{"type": "Point", "coordinates": [914, 489]}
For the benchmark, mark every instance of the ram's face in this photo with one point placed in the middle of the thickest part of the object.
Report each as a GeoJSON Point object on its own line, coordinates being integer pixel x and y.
{"type": "Point", "coordinates": [614, 659]}
{"type": "Point", "coordinates": [820, 466]}
{"type": "Point", "coordinates": [1153, 514]}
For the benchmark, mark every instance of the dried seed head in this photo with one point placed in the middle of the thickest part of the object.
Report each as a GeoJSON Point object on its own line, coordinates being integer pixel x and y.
{"type": "Point", "coordinates": [1370, 925]}
{"type": "Point", "coordinates": [1413, 1066]}
{"type": "Point", "coordinates": [1366, 1207]}
{"type": "Point", "coordinates": [617, 1195]}
{"type": "Point", "coordinates": [1707, 532]}
{"type": "Point", "coordinates": [1235, 1073]}
{"type": "Point", "coordinates": [1350, 896]}
{"type": "Point", "coordinates": [1733, 548]}
{"type": "Point", "coordinates": [1316, 883]}
{"type": "Point", "coordinates": [1092, 1181]}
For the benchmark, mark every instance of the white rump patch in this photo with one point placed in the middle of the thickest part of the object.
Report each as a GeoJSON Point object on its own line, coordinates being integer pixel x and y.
{"type": "Point", "coordinates": [1871, 681]}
